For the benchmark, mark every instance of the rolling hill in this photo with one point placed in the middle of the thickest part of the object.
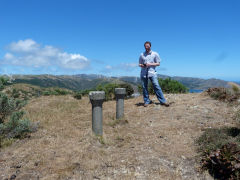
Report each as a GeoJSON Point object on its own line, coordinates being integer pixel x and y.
{"type": "Point", "coordinates": [89, 81]}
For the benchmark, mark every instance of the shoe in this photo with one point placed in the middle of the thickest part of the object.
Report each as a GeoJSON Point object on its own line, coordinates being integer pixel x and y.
{"type": "Point", "coordinates": [165, 104]}
{"type": "Point", "coordinates": [146, 105]}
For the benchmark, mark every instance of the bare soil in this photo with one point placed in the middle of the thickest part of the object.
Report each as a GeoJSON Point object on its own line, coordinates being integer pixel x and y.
{"type": "Point", "coordinates": [153, 142]}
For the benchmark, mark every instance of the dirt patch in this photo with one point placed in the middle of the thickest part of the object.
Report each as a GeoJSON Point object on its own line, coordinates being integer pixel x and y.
{"type": "Point", "coordinates": [155, 142]}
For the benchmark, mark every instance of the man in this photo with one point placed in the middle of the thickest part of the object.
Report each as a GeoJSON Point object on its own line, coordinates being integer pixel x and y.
{"type": "Point", "coordinates": [148, 62]}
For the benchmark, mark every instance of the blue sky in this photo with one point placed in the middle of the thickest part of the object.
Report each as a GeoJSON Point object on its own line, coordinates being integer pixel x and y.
{"type": "Point", "coordinates": [197, 38]}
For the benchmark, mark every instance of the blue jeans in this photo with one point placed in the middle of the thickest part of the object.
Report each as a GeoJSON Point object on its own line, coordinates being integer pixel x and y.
{"type": "Point", "coordinates": [156, 87]}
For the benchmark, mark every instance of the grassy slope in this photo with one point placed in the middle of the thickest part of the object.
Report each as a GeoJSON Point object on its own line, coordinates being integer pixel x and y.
{"type": "Point", "coordinates": [157, 142]}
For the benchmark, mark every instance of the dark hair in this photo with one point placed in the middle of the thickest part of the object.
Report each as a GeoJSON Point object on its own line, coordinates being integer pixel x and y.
{"type": "Point", "coordinates": [148, 42]}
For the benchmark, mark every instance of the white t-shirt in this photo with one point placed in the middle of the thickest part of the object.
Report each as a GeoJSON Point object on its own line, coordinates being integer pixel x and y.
{"type": "Point", "coordinates": [151, 57]}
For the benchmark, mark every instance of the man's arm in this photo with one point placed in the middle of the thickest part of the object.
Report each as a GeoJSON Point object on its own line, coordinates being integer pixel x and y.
{"type": "Point", "coordinates": [156, 61]}
{"type": "Point", "coordinates": [152, 64]}
{"type": "Point", "coordinates": [141, 62]}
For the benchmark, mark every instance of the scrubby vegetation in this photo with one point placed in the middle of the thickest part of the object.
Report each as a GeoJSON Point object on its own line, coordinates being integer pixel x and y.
{"type": "Point", "coordinates": [220, 152]}
{"type": "Point", "coordinates": [168, 86]}
{"type": "Point", "coordinates": [79, 94]}
{"type": "Point", "coordinates": [220, 148]}
{"type": "Point", "coordinates": [27, 92]}
{"type": "Point", "coordinates": [3, 82]}
{"type": "Point", "coordinates": [224, 94]}
{"type": "Point", "coordinates": [56, 92]}
{"type": "Point", "coordinates": [109, 90]}
{"type": "Point", "coordinates": [12, 124]}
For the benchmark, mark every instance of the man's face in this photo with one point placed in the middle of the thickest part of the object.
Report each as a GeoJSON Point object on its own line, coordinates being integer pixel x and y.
{"type": "Point", "coordinates": [147, 47]}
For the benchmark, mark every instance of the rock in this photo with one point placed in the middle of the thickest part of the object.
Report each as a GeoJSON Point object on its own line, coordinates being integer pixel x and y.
{"type": "Point", "coordinates": [13, 177]}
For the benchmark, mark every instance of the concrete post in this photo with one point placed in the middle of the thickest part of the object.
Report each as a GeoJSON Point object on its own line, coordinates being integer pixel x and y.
{"type": "Point", "coordinates": [119, 94]}
{"type": "Point", "coordinates": [97, 98]}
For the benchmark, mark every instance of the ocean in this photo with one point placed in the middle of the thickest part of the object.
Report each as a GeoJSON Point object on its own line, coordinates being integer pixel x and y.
{"type": "Point", "coordinates": [195, 90]}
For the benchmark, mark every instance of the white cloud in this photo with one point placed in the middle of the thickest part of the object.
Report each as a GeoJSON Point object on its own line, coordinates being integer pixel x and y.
{"type": "Point", "coordinates": [31, 54]}
{"type": "Point", "coordinates": [120, 67]}
{"type": "Point", "coordinates": [108, 67]}
{"type": "Point", "coordinates": [128, 66]}
{"type": "Point", "coordinates": [8, 56]}
{"type": "Point", "coordinates": [27, 45]}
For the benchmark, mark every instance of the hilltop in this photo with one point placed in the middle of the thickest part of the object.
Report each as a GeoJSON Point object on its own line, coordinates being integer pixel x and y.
{"type": "Point", "coordinates": [149, 143]}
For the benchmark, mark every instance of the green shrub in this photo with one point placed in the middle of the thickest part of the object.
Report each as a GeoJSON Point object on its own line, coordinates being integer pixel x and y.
{"type": "Point", "coordinates": [8, 105]}
{"type": "Point", "coordinates": [220, 152]}
{"type": "Point", "coordinates": [235, 89]}
{"type": "Point", "coordinates": [222, 94]}
{"type": "Point", "coordinates": [1, 86]}
{"type": "Point", "coordinates": [129, 89]}
{"type": "Point", "coordinates": [15, 93]}
{"type": "Point", "coordinates": [61, 92]}
{"type": "Point", "coordinates": [3, 82]}
{"type": "Point", "coordinates": [77, 95]}
{"type": "Point", "coordinates": [224, 163]}
{"type": "Point", "coordinates": [16, 127]}
{"type": "Point", "coordinates": [12, 124]}
{"type": "Point", "coordinates": [56, 91]}
{"type": "Point", "coordinates": [47, 93]}
{"type": "Point", "coordinates": [167, 85]}
{"type": "Point", "coordinates": [212, 139]}
{"type": "Point", "coordinates": [109, 90]}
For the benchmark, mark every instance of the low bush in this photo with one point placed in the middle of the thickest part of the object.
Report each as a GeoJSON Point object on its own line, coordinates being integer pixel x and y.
{"type": "Point", "coordinates": [9, 105]}
{"type": "Point", "coordinates": [220, 152]}
{"type": "Point", "coordinates": [129, 89]}
{"type": "Point", "coordinates": [3, 82]}
{"type": "Point", "coordinates": [109, 90]}
{"type": "Point", "coordinates": [223, 94]}
{"type": "Point", "coordinates": [85, 92]}
{"type": "Point", "coordinates": [12, 124]}
{"type": "Point", "coordinates": [56, 91]}
{"type": "Point", "coordinates": [224, 163]}
{"type": "Point", "coordinates": [16, 127]}
{"type": "Point", "coordinates": [77, 95]}
{"type": "Point", "coordinates": [235, 89]}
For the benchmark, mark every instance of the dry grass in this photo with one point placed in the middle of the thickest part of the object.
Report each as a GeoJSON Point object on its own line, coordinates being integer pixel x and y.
{"type": "Point", "coordinates": [149, 143]}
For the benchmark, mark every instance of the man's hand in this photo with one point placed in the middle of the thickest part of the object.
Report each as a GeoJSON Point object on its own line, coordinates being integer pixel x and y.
{"type": "Point", "coordinates": [152, 64]}
{"type": "Point", "coordinates": [142, 65]}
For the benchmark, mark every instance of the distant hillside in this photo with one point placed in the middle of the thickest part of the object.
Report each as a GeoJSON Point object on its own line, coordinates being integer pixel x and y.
{"type": "Point", "coordinates": [89, 81]}
{"type": "Point", "coordinates": [197, 83]}
{"type": "Point", "coordinates": [191, 83]}
{"type": "Point", "coordinates": [75, 82]}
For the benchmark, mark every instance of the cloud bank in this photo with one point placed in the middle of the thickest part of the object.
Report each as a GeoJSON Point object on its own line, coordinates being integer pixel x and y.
{"type": "Point", "coordinates": [28, 53]}
{"type": "Point", "coordinates": [120, 67]}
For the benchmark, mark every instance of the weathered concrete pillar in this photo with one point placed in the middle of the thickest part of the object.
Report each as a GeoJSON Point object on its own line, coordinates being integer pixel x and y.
{"type": "Point", "coordinates": [97, 98]}
{"type": "Point", "coordinates": [119, 94]}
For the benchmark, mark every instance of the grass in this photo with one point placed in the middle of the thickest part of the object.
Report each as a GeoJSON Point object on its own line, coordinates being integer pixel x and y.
{"type": "Point", "coordinates": [65, 139]}
{"type": "Point", "coordinates": [115, 121]}
{"type": "Point", "coordinates": [101, 139]}
{"type": "Point", "coordinates": [5, 142]}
